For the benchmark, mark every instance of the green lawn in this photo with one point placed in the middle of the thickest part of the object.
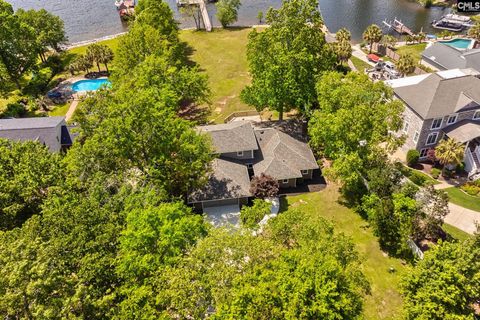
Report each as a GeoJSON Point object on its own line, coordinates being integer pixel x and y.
{"type": "Point", "coordinates": [222, 54]}
{"type": "Point", "coordinates": [60, 110]}
{"type": "Point", "coordinates": [360, 64]}
{"type": "Point", "coordinates": [112, 43]}
{"type": "Point", "coordinates": [414, 49]}
{"type": "Point", "coordinates": [456, 233]}
{"type": "Point", "coordinates": [460, 198]}
{"type": "Point", "coordinates": [385, 301]}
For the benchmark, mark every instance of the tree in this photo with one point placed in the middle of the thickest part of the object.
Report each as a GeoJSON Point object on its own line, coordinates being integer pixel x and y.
{"type": "Point", "coordinates": [264, 186]}
{"type": "Point", "coordinates": [405, 64]}
{"type": "Point", "coordinates": [389, 40]}
{"type": "Point", "coordinates": [343, 35]}
{"type": "Point", "coordinates": [18, 52]}
{"type": "Point", "coordinates": [373, 34]}
{"type": "Point", "coordinates": [286, 58]}
{"type": "Point", "coordinates": [106, 55]}
{"type": "Point", "coordinates": [227, 11]}
{"type": "Point", "coordinates": [29, 172]}
{"type": "Point", "coordinates": [450, 153]}
{"type": "Point", "coordinates": [434, 209]}
{"type": "Point", "coordinates": [420, 37]}
{"type": "Point", "coordinates": [474, 31]}
{"type": "Point", "coordinates": [260, 16]}
{"type": "Point", "coordinates": [343, 50]}
{"type": "Point", "coordinates": [355, 116]}
{"type": "Point", "coordinates": [443, 285]}
{"type": "Point", "coordinates": [49, 30]}
{"type": "Point", "coordinates": [194, 12]}
{"type": "Point", "coordinates": [94, 54]}
{"type": "Point", "coordinates": [251, 216]}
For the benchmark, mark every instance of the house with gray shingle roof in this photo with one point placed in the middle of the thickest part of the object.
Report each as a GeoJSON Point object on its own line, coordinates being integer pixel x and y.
{"type": "Point", "coordinates": [445, 104]}
{"type": "Point", "coordinates": [244, 151]}
{"type": "Point", "coordinates": [49, 131]}
{"type": "Point", "coordinates": [445, 57]}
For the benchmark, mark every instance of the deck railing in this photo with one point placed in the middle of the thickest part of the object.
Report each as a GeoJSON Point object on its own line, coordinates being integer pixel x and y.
{"type": "Point", "coordinates": [241, 114]}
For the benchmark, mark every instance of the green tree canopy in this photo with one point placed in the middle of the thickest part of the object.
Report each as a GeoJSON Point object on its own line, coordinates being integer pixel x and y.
{"type": "Point", "coordinates": [286, 58]}
{"type": "Point", "coordinates": [29, 171]}
{"type": "Point", "coordinates": [444, 285]}
{"type": "Point", "coordinates": [227, 11]}
{"type": "Point", "coordinates": [405, 64]}
{"type": "Point", "coordinates": [373, 34]}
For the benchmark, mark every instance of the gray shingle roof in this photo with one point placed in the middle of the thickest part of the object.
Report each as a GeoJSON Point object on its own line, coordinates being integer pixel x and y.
{"type": "Point", "coordinates": [464, 130]}
{"type": "Point", "coordinates": [281, 156]}
{"type": "Point", "coordinates": [451, 58]}
{"type": "Point", "coordinates": [231, 137]}
{"type": "Point", "coordinates": [437, 96]}
{"type": "Point", "coordinates": [42, 130]}
{"type": "Point", "coordinates": [228, 180]}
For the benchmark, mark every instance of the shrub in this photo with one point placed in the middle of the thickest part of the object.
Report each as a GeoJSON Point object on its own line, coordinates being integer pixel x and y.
{"type": "Point", "coordinates": [39, 83]}
{"type": "Point", "coordinates": [251, 216]}
{"type": "Point", "coordinates": [471, 189]}
{"type": "Point", "coordinates": [435, 173]}
{"type": "Point", "coordinates": [13, 110]}
{"type": "Point", "coordinates": [412, 157]}
{"type": "Point", "coordinates": [417, 178]}
{"type": "Point", "coordinates": [460, 168]}
{"type": "Point", "coordinates": [264, 186]}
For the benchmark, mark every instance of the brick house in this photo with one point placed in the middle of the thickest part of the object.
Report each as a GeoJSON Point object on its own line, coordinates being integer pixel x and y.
{"type": "Point", "coordinates": [440, 105]}
{"type": "Point", "coordinates": [244, 151]}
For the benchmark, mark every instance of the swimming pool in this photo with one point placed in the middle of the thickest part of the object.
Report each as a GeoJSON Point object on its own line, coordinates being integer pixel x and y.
{"type": "Point", "coordinates": [459, 43]}
{"type": "Point", "coordinates": [89, 85]}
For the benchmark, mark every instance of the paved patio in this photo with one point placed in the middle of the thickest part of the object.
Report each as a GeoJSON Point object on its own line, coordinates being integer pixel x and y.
{"type": "Point", "coordinates": [223, 216]}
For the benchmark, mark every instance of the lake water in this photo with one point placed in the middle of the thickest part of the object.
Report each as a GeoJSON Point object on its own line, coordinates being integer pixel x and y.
{"type": "Point", "coordinates": [92, 19]}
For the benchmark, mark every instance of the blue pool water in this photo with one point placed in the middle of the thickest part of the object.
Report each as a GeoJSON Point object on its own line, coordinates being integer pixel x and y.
{"type": "Point", "coordinates": [458, 43]}
{"type": "Point", "coordinates": [89, 85]}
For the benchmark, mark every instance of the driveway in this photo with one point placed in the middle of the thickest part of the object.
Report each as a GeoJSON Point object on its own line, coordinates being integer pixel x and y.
{"type": "Point", "coordinates": [223, 216]}
{"type": "Point", "coordinates": [462, 218]}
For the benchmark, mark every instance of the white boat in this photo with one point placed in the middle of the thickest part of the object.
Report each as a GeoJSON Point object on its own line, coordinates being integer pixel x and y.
{"type": "Point", "coordinates": [458, 19]}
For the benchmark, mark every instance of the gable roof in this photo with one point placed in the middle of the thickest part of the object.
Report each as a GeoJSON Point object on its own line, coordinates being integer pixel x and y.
{"type": "Point", "coordinates": [441, 93]}
{"type": "Point", "coordinates": [228, 180]}
{"type": "Point", "coordinates": [449, 57]}
{"type": "Point", "coordinates": [463, 131]}
{"type": "Point", "coordinates": [282, 156]}
{"type": "Point", "coordinates": [231, 137]}
{"type": "Point", "coordinates": [42, 129]}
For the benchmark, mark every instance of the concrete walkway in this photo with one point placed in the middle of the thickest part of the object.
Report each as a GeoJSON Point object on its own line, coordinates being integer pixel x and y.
{"type": "Point", "coordinates": [358, 53]}
{"type": "Point", "coordinates": [71, 109]}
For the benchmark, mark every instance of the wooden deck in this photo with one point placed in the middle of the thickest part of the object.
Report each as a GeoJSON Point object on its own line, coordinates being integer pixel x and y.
{"type": "Point", "coordinates": [203, 10]}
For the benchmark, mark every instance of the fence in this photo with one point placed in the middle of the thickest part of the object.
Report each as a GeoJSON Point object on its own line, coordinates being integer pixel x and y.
{"type": "Point", "coordinates": [415, 249]}
{"type": "Point", "coordinates": [385, 51]}
{"type": "Point", "coordinates": [241, 114]}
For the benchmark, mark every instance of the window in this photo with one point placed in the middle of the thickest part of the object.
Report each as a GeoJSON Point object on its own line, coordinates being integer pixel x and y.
{"type": "Point", "coordinates": [437, 123]}
{"type": "Point", "coordinates": [285, 181]}
{"type": "Point", "coordinates": [476, 115]}
{"type": "Point", "coordinates": [240, 154]}
{"type": "Point", "coordinates": [452, 119]}
{"type": "Point", "coordinates": [432, 138]}
{"type": "Point", "coordinates": [405, 126]}
{"type": "Point", "coordinates": [304, 172]}
{"type": "Point", "coordinates": [423, 153]}
{"type": "Point", "coordinates": [416, 136]}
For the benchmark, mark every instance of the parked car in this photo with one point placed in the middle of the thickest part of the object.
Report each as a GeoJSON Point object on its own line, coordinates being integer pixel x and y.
{"type": "Point", "coordinates": [374, 58]}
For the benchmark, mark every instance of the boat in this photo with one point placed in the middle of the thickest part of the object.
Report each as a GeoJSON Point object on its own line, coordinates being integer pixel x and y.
{"type": "Point", "coordinates": [126, 8]}
{"type": "Point", "coordinates": [445, 24]}
{"type": "Point", "coordinates": [455, 18]}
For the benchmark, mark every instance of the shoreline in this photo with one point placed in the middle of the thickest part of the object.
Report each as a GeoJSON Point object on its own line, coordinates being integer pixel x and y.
{"type": "Point", "coordinates": [116, 35]}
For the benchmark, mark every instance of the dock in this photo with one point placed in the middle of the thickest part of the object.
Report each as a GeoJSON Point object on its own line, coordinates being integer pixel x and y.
{"type": "Point", "coordinates": [399, 27]}
{"type": "Point", "coordinates": [203, 10]}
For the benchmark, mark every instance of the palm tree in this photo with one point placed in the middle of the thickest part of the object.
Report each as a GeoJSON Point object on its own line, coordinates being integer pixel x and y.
{"type": "Point", "coordinates": [421, 37]}
{"type": "Point", "coordinates": [389, 41]}
{"type": "Point", "coordinates": [343, 35]}
{"type": "Point", "coordinates": [372, 34]}
{"type": "Point", "coordinates": [405, 64]}
{"type": "Point", "coordinates": [450, 152]}
{"type": "Point", "coordinates": [474, 31]}
{"type": "Point", "coordinates": [105, 55]}
{"type": "Point", "coordinates": [343, 50]}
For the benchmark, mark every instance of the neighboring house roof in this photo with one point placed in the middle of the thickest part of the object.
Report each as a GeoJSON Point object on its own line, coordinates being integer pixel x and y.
{"type": "Point", "coordinates": [281, 156]}
{"type": "Point", "coordinates": [231, 137]}
{"type": "Point", "coordinates": [463, 131]}
{"type": "Point", "coordinates": [42, 129]}
{"type": "Point", "coordinates": [440, 93]}
{"type": "Point", "coordinates": [449, 57]}
{"type": "Point", "coordinates": [228, 180]}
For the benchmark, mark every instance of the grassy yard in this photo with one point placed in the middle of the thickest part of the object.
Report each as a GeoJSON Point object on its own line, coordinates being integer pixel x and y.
{"type": "Point", "coordinates": [460, 198]}
{"type": "Point", "coordinates": [60, 110]}
{"type": "Point", "coordinates": [385, 301]}
{"type": "Point", "coordinates": [414, 49]}
{"type": "Point", "coordinates": [112, 43]}
{"type": "Point", "coordinates": [222, 55]}
{"type": "Point", "coordinates": [360, 64]}
{"type": "Point", "coordinates": [456, 233]}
